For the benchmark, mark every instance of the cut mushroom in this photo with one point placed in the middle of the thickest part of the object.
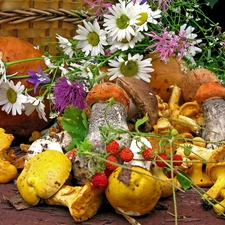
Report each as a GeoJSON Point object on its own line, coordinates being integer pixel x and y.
{"type": "Point", "coordinates": [83, 202]}
{"type": "Point", "coordinates": [143, 99]}
{"type": "Point", "coordinates": [212, 98]}
{"type": "Point", "coordinates": [103, 114]}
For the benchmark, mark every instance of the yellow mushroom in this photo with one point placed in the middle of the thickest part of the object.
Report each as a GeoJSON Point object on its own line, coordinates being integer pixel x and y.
{"type": "Point", "coordinates": [43, 175]}
{"type": "Point", "coordinates": [5, 142]}
{"type": "Point", "coordinates": [166, 183]}
{"type": "Point", "coordinates": [7, 171]}
{"type": "Point", "coordinates": [83, 201]}
{"type": "Point", "coordinates": [190, 109]}
{"type": "Point", "coordinates": [219, 208]}
{"type": "Point", "coordinates": [197, 160]}
{"type": "Point", "coordinates": [215, 169]}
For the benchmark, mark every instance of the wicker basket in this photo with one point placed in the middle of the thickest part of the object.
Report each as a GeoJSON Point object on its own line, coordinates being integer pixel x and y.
{"type": "Point", "coordinates": [38, 21]}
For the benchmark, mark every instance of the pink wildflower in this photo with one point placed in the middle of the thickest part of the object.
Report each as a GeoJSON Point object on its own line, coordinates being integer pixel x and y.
{"type": "Point", "coordinates": [99, 5]}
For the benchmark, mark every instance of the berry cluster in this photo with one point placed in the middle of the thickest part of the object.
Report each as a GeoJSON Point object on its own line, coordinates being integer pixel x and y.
{"type": "Point", "coordinates": [115, 155]}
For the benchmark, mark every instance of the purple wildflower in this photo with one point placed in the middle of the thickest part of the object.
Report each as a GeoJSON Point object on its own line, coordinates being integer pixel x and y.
{"type": "Point", "coordinates": [37, 78]}
{"type": "Point", "coordinates": [68, 93]}
{"type": "Point", "coordinates": [99, 5]}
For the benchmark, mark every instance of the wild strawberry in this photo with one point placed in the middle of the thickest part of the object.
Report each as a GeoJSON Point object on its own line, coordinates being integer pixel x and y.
{"type": "Point", "coordinates": [148, 154]}
{"type": "Point", "coordinates": [113, 147]}
{"type": "Point", "coordinates": [160, 158]}
{"type": "Point", "coordinates": [177, 160]}
{"type": "Point", "coordinates": [109, 165]}
{"type": "Point", "coordinates": [71, 154]}
{"type": "Point", "coordinates": [99, 180]}
{"type": "Point", "coordinates": [126, 155]}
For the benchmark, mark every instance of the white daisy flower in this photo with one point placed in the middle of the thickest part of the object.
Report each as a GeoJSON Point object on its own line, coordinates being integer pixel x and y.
{"type": "Point", "coordinates": [91, 38]}
{"type": "Point", "coordinates": [191, 37]}
{"type": "Point", "coordinates": [134, 67]}
{"type": "Point", "coordinates": [11, 97]}
{"type": "Point", "coordinates": [145, 15]}
{"type": "Point", "coordinates": [66, 45]}
{"type": "Point", "coordinates": [120, 23]}
{"type": "Point", "coordinates": [124, 44]}
{"type": "Point", "coordinates": [32, 104]}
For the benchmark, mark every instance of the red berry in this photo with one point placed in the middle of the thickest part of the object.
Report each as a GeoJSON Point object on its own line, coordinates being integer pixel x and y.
{"type": "Point", "coordinates": [148, 154]}
{"type": "Point", "coordinates": [177, 160]}
{"type": "Point", "coordinates": [71, 154]}
{"type": "Point", "coordinates": [126, 155]}
{"type": "Point", "coordinates": [160, 159]}
{"type": "Point", "coordinates": [109, 165]}
{"type": "Point", "coordinates": [113, 147]}
{"type": "Point", "coordinates": [99, 180]}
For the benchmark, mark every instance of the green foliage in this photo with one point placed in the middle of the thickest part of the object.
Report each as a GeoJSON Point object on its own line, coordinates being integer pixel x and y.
{"type": "Point", "coordinates": [184, 180]}
{"type": "Point", "coordinates": [75, 122]}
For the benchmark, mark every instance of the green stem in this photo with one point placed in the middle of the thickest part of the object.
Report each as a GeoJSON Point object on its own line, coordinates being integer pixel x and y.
{"type": "Point", "coordinates": [23, 60]}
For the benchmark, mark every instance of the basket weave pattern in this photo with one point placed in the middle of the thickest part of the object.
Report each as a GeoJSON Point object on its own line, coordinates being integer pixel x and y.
{"type": "Point", "coordinates": [38, 21]}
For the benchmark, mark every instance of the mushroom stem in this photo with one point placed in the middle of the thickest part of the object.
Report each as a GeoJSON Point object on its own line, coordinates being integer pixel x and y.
{"type": "Point", "coordinates": [83, 202]}
{"type": "Point", "coordinates": [219, 208]}
{"type": "Point", "coordinates": [103, 115]}
{"type": "Point", "coordinates": [211, 96]}
{"type": "Point", "coordinates": [214, 192]}
{"type": "Point", "coordinates": [214, 121]}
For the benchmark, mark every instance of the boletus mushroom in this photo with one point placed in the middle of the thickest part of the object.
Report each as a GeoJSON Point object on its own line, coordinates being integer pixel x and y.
{"type": "Point", "coordinates": [43, 175]}
{"type": "Point", "coordinates": [103, 114]}
{"type": "Point", "coordinates": [142, 101]}
{"type": "Point", "coordinates": [211, 96]}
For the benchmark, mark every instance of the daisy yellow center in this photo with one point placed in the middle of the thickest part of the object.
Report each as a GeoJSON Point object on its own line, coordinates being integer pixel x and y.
{"type": "Point", "coordinates": [143, 17]}
{"type": "Point", "coordinates": [122, 22]}
{"type": "Point", "coordinates": [11, 95]}
{"type": "Point", "coordinates": [93, 38]}
{"type": "Point", "coordinates": [129, 69]}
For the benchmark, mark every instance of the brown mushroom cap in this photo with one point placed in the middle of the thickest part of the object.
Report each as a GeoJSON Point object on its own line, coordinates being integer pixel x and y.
{"type": "Point", "coordinates": [104, 91]}
{"type": "Point", "coordinates": [193, 80]}
{"type": "Point", "coordinates": [143, 97]}
{"type": "Point", "coordinates": [208, 91]}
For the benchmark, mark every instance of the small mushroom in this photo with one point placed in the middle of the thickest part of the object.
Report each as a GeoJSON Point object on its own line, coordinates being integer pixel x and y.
{"type": "Point", "coordinates": [142, 99]}
{"type": "Point", "coordinates": [43, 175]}
{"type": "Point", "coordinates": [212, 98]}
{"type": "Point", "coordinates": [215, 169]}
{"type": "Point", "coordinates": [103, 114]}
{"type": "Point", "coordinates": [83, 202]}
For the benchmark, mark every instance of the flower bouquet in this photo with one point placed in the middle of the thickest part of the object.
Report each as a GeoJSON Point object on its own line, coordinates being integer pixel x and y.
{"type": "Point", "coordinates": [119, 91]}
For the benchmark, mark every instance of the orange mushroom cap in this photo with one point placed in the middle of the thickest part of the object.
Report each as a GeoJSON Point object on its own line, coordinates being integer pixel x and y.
{"type": "Point", "coordinates": [104, 91]}
{"type": "Point", "coordinates": [208, 91]}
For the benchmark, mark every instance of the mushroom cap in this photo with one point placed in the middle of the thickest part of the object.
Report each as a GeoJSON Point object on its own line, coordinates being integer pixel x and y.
{"type": "Point", "coordinates": [143, 97]}
{"type": "Point", "coordinates": [43, 175]}
{"type": "Point", "coordinates": [104, 91]}
{"type": "Point", "coordinates": [208, 91]}
{"type": "Point", "coordinates": [193, 80]}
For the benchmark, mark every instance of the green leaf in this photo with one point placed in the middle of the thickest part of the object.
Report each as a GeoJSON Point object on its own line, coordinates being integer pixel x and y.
{"type": "Point", "coordinates": [141, 121]}
{"type": "Point", "coordinates": [75, 122]}
{"type": "Point", "coordinates": [184, 180]}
